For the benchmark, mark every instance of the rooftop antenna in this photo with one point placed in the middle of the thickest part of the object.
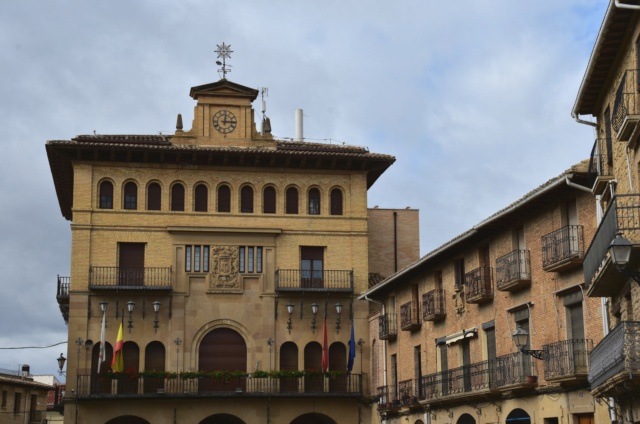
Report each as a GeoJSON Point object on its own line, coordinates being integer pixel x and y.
{"type": "Point", "coordinates": [223, 51]}
{"type": "Point", "coordinates": [266, 122]}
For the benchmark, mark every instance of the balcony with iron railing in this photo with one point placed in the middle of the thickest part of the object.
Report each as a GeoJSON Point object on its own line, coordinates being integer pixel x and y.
{"type": "Point", "coordinates": [137, 386]}
{"type": "Point", "coordinates": [600, 171]}
{"type": "Point", "coordinates": [463, 382]}
{"type": "Point", "coordinates": [62, 296]}
{"type": "Point", "coordinates": [120, 278]}
{"type": "Point", "coordinates": [615, 361]}
{"type": "Point", "coordinates": [388, 326]}
{"type": "Point", "coordinates": [388, 399]}
{"type": "Point", "coordinates": [563, 249]}
{"type": "Point", "coordinates": [433, 305]}
{"type": "Point", "coordinates": [406, 394]}
{"type": "Point", "coordinates": [409, 317]}
{"type": "Point", "coordinates": [566, 361]}
{"type": "Point", "coordinates": [600, 275]}
{"type": "Point", "coordinates": [300, 280]}
{"type": "Point", "coordinates": [478, 285]}
{"type": "Point", "coordinates": [513, 270]}
{"type": "Point", "coordinates": [626, 112]}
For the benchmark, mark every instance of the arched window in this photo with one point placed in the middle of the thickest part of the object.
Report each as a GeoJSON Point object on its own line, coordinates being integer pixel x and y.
{"type": "Point", "coordinates": [314, 202]}
{"type": "Point", "coordinates": [518, 416]}
{"type": "Point", "coordinates": [154, 196]}
{"type": "Point", "coordinates": [130, 361]}
{"type": "Point", "coordinates": [338, 362]}
{"type": "Point", "coordinates": [246, 199]}
{"type": "Point", "coordinates": [269, 200]}
{"type": "Point", "coordinates": [130, 195]}
{"type": "Point", "coordinates": [154, 360]}
{"type": "Point", "coordinates": [106, 195]}
{"type": "Point", "coordinates": [222, 349]}
{"type": "Point", "coordinates": [177, 197]}
{"type": "Point", "coordinates": [201, 198]}
{"type": "Point", "coordinates": [292, 201]}
{"type": "Point", "coordinates": [97, 366]}
{"type": "Point", "coordinates": [313, 361]}
{"type": "Point", "coordinates": [289, 362]}
{"type": "Point", "coordinates": [336, 201]}
{"type": "Point", "coordinates": [224, 199]}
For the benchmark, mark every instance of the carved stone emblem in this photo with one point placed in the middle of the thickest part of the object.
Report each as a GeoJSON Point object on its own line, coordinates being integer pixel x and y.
{"type": "Point", "coordinates": [224, 274]}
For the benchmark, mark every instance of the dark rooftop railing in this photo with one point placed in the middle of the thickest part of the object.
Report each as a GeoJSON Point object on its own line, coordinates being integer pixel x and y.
{"type": "Point", "coordinates": [63, 287]}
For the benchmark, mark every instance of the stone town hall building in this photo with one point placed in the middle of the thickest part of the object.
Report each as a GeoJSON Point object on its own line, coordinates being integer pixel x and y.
{"type": "Point", "coordinates": [214, 246]}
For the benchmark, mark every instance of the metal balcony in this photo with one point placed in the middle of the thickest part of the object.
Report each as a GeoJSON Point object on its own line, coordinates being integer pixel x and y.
{"type": "Point", "coordinates": [409, 317]}
{"type": "Point", "coordinates": [563, 249]}
{"type": "Point", "coordinates": [478, 285]}
{"type": "Point", "coordinates": [433, 305]}
{"type": "Point", "coordinates": [117, 278]}
{"type": "Point", "coordinates": [600, 171]}
{"type": "Point", "coordinates": [513, 270]}
{"type": "Point", "coordinates": [62, 296]}
{"type": "Point", "coordinates": [615, 361]}
{"type": "Point", "coordinates": [600, 275]}
{"type": "Point", "coordinates": [566, 361]}
{"type": "Point", "coordinates": [300, 280]}
{"type": "Point", "coordinates": [625, 114]}
{"type": "Point", "coordinates": [406, 394]}
{"type": "Point", "coordinates": [388, 326]}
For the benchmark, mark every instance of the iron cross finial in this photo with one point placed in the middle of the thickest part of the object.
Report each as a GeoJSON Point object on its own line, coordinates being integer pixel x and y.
{"type": "Point", "coordinates": [223, 52]}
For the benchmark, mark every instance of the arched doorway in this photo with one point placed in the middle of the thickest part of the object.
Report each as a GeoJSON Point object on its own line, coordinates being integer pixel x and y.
{"type": "Point", "coordinates": [518, 416]}
{"type": "Point", "coordinates": [222, 349]}
{"type": "Point", "coordinates": [466, 419]}
{"type": "Point", "coordinates": [128, 419]}
{"type": "Point", "coordinates": [313, 361]}
{"type": "Point", "coordinates": [313, 419]}
{"type": "Point", "coordinates": [131, 363]}
{"type": "Point", "coordinates": [338, 362]}
{"type": "Point", "coordinates": [289, 362]}
{"type": "Point", "coordinates": [100, 385]}
{"type": "Point", "coordinates": [154, 360]}
{"type": "Point", "coordinates": [222, 419]}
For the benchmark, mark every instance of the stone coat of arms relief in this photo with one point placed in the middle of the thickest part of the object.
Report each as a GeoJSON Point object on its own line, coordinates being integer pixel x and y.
{"type": "Point", "coordinates": [224, 274]}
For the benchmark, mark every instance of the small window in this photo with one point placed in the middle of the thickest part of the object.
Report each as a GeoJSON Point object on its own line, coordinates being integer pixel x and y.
{"type": "Point", "coordinates": [458, 271]}
{"type": "Point", "coordinates": [250, 259]}
{"type": "Point", "coordinates": [4, 399]}
{"type": "Point", "coordinates": [201, 198]}
{"type": "Point", "coordinates": [177, 197]}
{"type": "Point", "coordinates": [336, 201]}
{"type": "Point", "coordinates": [292, 201]}
{"type": "Point", "coordinates": [106, 195]}
{"type": "Point", "coordinates": [154, 195]}
{"type": "Point", "coordinates": [246, 200]}
{"type": "Point", "coordinates": [17, 401]}
{"type": "Point", "coordinates": [130, 196]}
{"type": "Point", "coordinates": [196, 258]}
{"type": "Point", "coordinates": [269, 200]}
{"type": "Point", "coordinates": [224, 199]}
{"type": "Point", "coordinates": [314, 201]}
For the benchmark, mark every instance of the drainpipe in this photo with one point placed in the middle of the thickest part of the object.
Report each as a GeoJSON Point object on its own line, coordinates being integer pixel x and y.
{"type": "Point", "coordinates": [574, 185]}
{"type": "Point", "coordinates": [384, 344]}
{"type": "Point", "coordinates": [576, 117]}
{"type": "Point", "coordinates": [626, 6]}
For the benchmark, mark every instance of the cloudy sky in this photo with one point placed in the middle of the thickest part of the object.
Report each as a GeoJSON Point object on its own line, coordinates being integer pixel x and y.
{"type": "Point", "coordinates": [472, 97]}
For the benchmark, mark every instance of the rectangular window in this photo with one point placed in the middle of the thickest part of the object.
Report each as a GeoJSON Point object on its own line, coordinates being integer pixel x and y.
{"type": "Point", "coordinates": [311, 266]}
{"type": "Point", "coordinates": [250, 259]}
{"type": "Point", "coordinates": [4, 399]}
{"type": "Point", "coordinates": [17, 400]}
{"type": "Point", "coordinates": [458, 270]}
{"type": "Point", "coordinates": [196, 259]}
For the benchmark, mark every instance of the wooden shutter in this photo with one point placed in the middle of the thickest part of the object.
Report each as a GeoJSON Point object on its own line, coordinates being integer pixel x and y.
{"type": "Point", "coordinates": [224, 199]}
{"type": "Point", "coordinates": [246, 199]}
{"type": "Point", "coordinates": [336, 201]}
{"type": "Point", "coordinates": [177, 197]}
{"type": "Point", "coordinates": [292, 201]}
{"type": "Point", "coordinates": [154, 195]}
{"type": "Point", "coordinates": [202, 198]}
{"type": "Point", "coordinates": [269, 200]}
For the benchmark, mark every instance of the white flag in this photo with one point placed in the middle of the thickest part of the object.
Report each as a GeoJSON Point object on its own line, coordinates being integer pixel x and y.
{"type": "Point", "coordinates": [102, 349]}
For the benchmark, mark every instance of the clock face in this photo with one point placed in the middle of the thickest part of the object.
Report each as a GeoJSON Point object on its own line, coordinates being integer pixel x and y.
{"type": "Point", "coordinates": [224, 121]}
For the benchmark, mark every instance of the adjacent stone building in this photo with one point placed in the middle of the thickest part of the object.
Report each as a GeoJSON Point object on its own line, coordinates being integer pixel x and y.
{"type": "Point", "coordinates": [609, 93]}
{"type": "Point", "coordinates": [225, 253]}
{"type": "Point", "coordinates": [442, 341]}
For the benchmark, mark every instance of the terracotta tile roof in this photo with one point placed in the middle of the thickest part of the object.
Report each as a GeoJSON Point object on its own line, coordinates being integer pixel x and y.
{"type": "Point", "coordinates": [51, 395]}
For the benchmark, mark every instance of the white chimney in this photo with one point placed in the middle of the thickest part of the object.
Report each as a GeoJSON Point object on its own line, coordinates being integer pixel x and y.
{"type": "Point", "coordinates": [299, 133]}
{"type": "Point", "coordinates": [25, 371]}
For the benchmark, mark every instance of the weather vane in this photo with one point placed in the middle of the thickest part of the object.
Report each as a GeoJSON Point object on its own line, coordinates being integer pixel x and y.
{"type": "Point", "coordinates": [223, 52]}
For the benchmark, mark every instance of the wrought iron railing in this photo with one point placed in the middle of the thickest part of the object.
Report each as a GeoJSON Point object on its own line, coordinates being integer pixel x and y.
{"type": "Point", "coordinates": [388, 326]}
{"type": "Point", "coordinates": [63, 287]}
{"type": "Point", "coordinates": [479, 283]}
{"type": "Point", "coordinates": [306, 280]}
{"type": "Point", "coordinates": [405, 392]}
{"type": "Point", "coordinates": [513, 368]}
{"type": "Point", "coordinates": [433, 305]}
{"type": "Point", "coordinates": [625, 101]}
{"type": "Point", "coordinates": [514, 266]}
{"type": "Point", "coordinates": [388, 397]}
{"type": "Point", "coordinates": [567, 358]}
{"type": "Point", "coordinates": [600, 161]}
{"type": "Point", "coordinates": [562, 244]}
{"type": "Point", "coordinates": [618, 351]}
{"type": "Point", "coordinates": [475, 377]}
{"type": "Point", "coordinates": [409, 318]}
{"type": "Point", "coordinates": [101, 277]}
{"type": "Point", "coordinates": [127, 386]}
{"type": "Point", "coordinates": [623, 214]}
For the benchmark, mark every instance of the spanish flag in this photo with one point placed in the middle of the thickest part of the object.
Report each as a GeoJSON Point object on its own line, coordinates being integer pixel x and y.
{"type": "Point", "coordinates": [117, 363]}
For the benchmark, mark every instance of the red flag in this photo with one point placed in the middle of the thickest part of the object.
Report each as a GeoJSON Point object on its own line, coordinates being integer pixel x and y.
{"type": "Point", "coordinates": [325, 350]}
{"type": "Point", "coordinates": [117, 363]}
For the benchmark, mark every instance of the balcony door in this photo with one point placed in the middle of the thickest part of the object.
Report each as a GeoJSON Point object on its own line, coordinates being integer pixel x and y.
{"type": "Point", "coordinates": [466, 364]}
{"type": "Point", "coordinates": [572, 222]}
{"type": "Point", "coordinates": [485, 263]}
{"type": "Point", "coordinates": [311, 266]}
{"type": "Point", "coordinates": [575, 330]}
{"type": "Point", "coordinates": [131, 264]}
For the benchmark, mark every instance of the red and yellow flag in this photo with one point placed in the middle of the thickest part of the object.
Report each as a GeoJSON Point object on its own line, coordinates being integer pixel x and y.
{"type": "Point", "coordinates": [117, 364]}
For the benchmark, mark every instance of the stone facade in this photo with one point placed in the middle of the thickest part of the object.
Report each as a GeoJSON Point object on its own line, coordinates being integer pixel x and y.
{"type": "Point", "coordinates": [222, 268]}
{"type": "Point", "coordinates": [456, 361]}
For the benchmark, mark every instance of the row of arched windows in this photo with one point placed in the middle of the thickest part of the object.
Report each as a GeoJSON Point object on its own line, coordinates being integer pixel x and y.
{"type": "Point", "coordinates": [223, 204]}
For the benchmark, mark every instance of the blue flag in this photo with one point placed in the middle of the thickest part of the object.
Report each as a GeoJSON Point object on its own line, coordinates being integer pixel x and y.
{"type": "Point", "coordinates": [352, 350]}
